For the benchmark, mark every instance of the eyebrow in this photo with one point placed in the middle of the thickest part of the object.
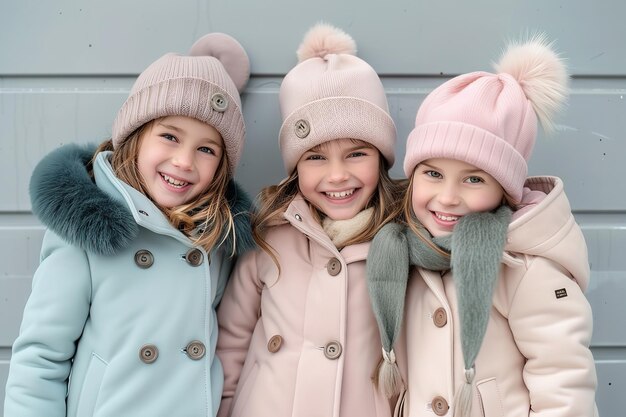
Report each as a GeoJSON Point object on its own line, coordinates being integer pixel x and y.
{"type": "Point", "coordinates": [320, 148]}
{"type": "Point", "coordinates": [465, 172]}
{"type": "Point", "coordinates": [179, 130]}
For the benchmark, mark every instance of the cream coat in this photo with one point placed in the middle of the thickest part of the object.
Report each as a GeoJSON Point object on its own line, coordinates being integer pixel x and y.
{"type": "Point", "coordinates": [534, 360]}
{"type": "Point", "coordinates": [308, 308]}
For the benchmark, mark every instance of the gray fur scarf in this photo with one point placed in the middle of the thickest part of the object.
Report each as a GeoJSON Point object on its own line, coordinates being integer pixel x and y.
{"type": "Point", "coordinates": [473, 252]}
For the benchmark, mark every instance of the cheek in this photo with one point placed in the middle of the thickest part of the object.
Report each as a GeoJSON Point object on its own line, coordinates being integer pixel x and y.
{"type": "Point", "coordinates": [488, 201]}
{"type": "Point", "coordinates": [417, 200]}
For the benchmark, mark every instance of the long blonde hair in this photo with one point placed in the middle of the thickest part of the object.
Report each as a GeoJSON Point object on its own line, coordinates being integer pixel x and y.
{"type": "Point", "coordinates": [274, 200]}
{"type": "Point", "coordinates": [207, 220]}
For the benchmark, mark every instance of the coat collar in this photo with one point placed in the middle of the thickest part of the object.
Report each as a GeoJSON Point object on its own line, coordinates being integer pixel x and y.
{"type": "Point", "coordinates": [105, 218]}
{"type": "Point", "coordinates": [298, 214]}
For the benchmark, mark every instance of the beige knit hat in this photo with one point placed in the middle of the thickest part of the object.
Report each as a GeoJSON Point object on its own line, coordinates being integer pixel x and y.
{"type": "Point", "coordinates": [332, 94]}
{"type": "Point", "coordinates": [204, 85]}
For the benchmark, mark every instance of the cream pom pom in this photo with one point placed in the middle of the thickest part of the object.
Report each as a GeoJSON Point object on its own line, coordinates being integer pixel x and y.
{"type": "Point", "coordinates": [323, 39]}
{"type": "Point", "coordinates": [541, 73]}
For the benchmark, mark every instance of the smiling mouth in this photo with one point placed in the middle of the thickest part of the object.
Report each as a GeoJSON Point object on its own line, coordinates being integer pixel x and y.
{"type": "Point", "coordinates": [174, 182]}
{"type": "Point", "coordinates": [338, 195]}
{"type": "Point", "coordinates": [446, 218]}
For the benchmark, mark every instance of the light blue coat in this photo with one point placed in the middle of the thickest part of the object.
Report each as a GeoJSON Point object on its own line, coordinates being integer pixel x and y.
{"type": "Point", "coordinates": [79, 352]}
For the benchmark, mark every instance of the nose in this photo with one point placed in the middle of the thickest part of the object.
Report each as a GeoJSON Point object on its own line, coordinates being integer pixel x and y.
{"type": "Point", "coordinates": [337, 172]}
{"type": "Point", "coordinates": [449, 195]}
{"type": "Point", "coordinates": [183, 159]}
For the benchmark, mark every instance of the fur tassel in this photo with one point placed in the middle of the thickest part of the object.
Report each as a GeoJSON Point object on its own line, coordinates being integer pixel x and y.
{"type": "Point", "coordinates": [463, 398]}
{"type": "Point", "coordinates": [541, 73]}
{"type": "Point", "coordinates": [388, 377]}
{"type": "Point", "coordinates": [323, 39]}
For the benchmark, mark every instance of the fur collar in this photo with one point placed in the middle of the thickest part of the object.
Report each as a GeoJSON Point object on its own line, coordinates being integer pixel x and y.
{"type": "Point", "coordinates": [69, 203]}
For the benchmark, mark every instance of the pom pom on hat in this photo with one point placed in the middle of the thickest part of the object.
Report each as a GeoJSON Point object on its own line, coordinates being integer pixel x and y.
{"type": "Point", "coordinates": [490, 120]}
{"type": "Point", "coordinates": [229, 52]}
{"type": "Point", "coordinates": [540, 73]}
{"type": "Point", "coordinates": [204, 85]}
{"type": "Point", "coordinates": [323, 39]}
{"type": "Point", "coordinates": [332, 94]}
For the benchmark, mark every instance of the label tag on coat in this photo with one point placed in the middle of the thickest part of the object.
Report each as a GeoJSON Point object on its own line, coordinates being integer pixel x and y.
{"type": "Point", "coordinates": [560, 293]}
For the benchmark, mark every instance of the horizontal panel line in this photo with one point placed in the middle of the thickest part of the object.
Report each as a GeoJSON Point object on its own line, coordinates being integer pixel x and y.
{"type": "Point", "coordinates": [609, 353]}
{"type": "Point", "coordinates": [5, 353]}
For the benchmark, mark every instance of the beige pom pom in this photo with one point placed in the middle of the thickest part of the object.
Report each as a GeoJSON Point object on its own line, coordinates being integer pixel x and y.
{"type": "Point", "coordinates": [323, 39]}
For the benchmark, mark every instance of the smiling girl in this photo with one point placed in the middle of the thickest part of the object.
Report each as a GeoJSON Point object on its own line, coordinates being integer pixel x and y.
{"type": "Point", "coordinates": [495, 320]}
{"type": "Point", "coordinates": [121, 320]}
{"type": "Point", "coordinates": [297, 333]}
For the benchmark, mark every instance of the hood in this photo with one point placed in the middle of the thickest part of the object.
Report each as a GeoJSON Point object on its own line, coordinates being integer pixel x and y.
{"type": "Point", "coordinates": [68, 202]}
{"type": "Point", "coordinates": [549, 230]}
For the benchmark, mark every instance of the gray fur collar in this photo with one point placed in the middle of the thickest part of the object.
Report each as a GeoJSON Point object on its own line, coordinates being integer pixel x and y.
{"type": "Point", "coordinates": [69, 203]}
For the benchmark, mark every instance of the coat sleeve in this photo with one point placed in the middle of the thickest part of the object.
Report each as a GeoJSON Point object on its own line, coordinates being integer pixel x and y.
{"type": "Point", "coordinates": [237, 316]}
{"type": "Point", "coordinates": [53, 321]}
{"type": "Point", "coordinates": [551, 322]}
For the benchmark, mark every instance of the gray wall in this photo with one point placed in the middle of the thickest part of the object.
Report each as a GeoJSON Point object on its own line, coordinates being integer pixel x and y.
{"type": "Point", "coordinates": [66, 66]}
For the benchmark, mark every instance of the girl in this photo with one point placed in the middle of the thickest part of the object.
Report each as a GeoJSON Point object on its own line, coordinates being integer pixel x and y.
{"type": "Point", "coordinates": [121, 318]}
{"type": "Point", "coordinates": [297, 333]}
{"type": "Point", "coordinates": [496, 322]}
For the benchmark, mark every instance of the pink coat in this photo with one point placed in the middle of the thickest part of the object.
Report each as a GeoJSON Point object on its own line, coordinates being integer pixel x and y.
{"type": "Point", "coordinates": [534, 360]}
{"type": "Point", "coordinates": [305, 343]}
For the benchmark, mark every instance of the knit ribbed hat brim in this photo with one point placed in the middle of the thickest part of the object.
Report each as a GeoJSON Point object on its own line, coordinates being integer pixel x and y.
{"type": "Point", "coordinates": [471, 144]}
{"type": "Point", "coordinates": [335, 118]}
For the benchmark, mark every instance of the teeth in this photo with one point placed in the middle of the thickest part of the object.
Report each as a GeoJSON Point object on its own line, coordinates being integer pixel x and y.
{"type": "Point", "coordinates": [446, 218]}
{"type": "Point", "coordinates": [340, 194]}
{"type": "Point", "coordinates": [174, 182]}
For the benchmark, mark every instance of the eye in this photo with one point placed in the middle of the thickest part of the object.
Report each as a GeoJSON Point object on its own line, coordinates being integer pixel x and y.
{"type": "Point", "coordinates": [474, 180]}
{"type": "Point", "coordinates": [206, 149]}
{"type": "Point", "coordinates": [356, 154]}
{"type": "Point", "coordinates": [169, 137]}
{"type": "Point", "coordinates": [433, 174]}
{"type": "Point", "coordinates": [314, 157]}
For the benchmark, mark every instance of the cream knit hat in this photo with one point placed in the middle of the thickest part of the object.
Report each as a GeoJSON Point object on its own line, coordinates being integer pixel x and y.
{"type": "Point", "coordinates": [204, 85]}
{"type": "Point", "coordinates": [332, 94]}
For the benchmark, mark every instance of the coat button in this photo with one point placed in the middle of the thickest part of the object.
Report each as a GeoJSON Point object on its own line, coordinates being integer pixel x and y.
{"type": "Point", "coordinates": [332, 350]}
{"type": "Point", "coordinates": [275, 343]}
{"type": "Point", "coordinates": [333, 266]}
{"type": "Point", "coordinates": [302, 128]}
{"type": "Point", "coordinates": [194, 257]}
{"type": "Point", "coordinates": [440, 317]}
{"type": "Point", "coordinates": [144, 259]}
{"type": "Point", "coordinates": [148, 353]}
{"type": "Point", "coordinates": [219, 103]}
{"type": "Point", "coordinates": [439, 406]}
{"type": "Point", "coordinates": [195, 350]}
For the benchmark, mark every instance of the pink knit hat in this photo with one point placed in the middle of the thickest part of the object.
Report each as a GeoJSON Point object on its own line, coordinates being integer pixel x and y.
{"type": "Point", "coordinates": [204, 85]}
{"type": "Point", "coordinates": [490, 120]}
{"type": "Point", "coordinates": [331, 94]}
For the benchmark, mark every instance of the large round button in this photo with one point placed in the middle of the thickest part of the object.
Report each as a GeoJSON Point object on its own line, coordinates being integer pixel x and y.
{"type": "Point", "coordinates": [219, 103]}
{"type": "Point", "coordinates": [194, 257]}
{"type": "Point", "coordinates": [144, 259]}
{"type": "Point", "coordinates": [195, 350]}
{"type": "Point", "coordinates": [439, 406]}
{"type": "Point", "coordinates": [332, 350]}
{"type": "Point", "coordinates": [148, 353]}
{"type": "Point", "coordinates": [302, 128]}
{"type": "Point", "coordinates": [440, 317]}
{"type": "Point", "coordinates": [275, 343]}
{"type": "Point", "coordinates": [333, 266]}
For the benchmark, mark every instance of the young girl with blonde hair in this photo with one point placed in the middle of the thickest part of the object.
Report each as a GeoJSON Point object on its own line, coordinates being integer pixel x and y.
{"type": "Point", "coordinates": [495, 319]}
{"type": "Point", "coordinates": [121, 319]}
{"type": "Point", "coordinates": [297, 333]}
